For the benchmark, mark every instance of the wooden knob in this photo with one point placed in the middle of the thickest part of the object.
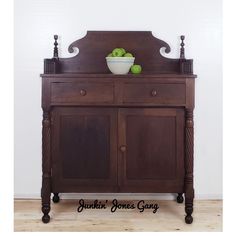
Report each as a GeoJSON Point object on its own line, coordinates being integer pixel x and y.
{"type": "Point", "coordinates": [83, 92]}
{"type": "Point", "coordinates": [123, 148]}
{"type": "Point", "coordinates": [153, 92]}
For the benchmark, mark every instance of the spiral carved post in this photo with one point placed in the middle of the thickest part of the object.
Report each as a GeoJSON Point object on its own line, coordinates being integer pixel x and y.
{"type": "Point", "coordinates": [46, 167]}
{"type": "Point", "coordinates": [188, 181]}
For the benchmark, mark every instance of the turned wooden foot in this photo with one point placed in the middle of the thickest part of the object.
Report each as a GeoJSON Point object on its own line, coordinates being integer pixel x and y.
{"type": "Point", "coordinates": [188, 219]}
{"type": "Point", "coordinates": [56, 197]}
{"type": "Point", "coordinates": [180, 198]}
{"type": "Point", "coordinates": [46, 210]}
{"type": "Point", "coordinates": [189, 211]}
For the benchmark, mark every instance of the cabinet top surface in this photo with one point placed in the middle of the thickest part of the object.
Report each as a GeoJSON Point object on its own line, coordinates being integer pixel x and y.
{"type": "Point", "coordinates": [91, 75]}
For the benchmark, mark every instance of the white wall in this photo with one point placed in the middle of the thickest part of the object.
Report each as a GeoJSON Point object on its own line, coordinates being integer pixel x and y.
{"type": "Point", "coordinates": [37, 20]}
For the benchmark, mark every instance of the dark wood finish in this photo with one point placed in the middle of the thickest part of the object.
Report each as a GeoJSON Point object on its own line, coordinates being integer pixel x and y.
{"type": "Point", "coordinates": [83, 92]}
{"type": "Point", "coordinates": [157, 93]}
{"type": "Point", "coordinates": [46, 166]}
{"type": "Point", "coordinates": [117, 133]}
{"type": "Point", "coordinates": [143, 45]}
{"type": "Point", "coordinates": [95, 45]}
{"type": "Point", "coordinates": [180, 198]}
{"type": "Point", "coordinates": [55, 51]}
{"type": "Point", "coordinates": [186, 66]}
{"type": "Point", "coordinates": [154, 155]}
{"type": "Point", "coordinates": [52, 65]}
{"type": "Point", "coordinates": [84, 149]}
{"type": "Point", "coordinates": [188, 182]}
{"type": "Point", "coordinates": [56, 198]}
{"type": "Point", "coordinates": [182, 53]}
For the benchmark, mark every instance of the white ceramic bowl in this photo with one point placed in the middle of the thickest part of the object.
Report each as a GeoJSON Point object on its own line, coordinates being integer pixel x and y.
{"type": "Point", "coordinates": [119, 65]}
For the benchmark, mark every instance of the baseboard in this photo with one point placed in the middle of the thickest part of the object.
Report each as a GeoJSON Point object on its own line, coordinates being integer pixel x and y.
{"type": "Point", "coordinates": [122, 196]}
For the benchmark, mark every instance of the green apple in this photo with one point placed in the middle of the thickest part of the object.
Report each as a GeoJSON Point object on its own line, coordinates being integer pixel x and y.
{"type": "Point", "coordinates": [123, 51]}
{"type": "Point", "coordinates": [136, 69]}
{"type": "Point", "coordinates": [117, 52]}
{"type": "Point", "coordinates": [109, 55]}
{"type": "Point", "coordinates": [128, 55]}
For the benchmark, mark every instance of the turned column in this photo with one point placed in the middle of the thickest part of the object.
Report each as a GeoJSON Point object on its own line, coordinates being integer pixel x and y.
{"type": "Point", "coordinates": [46, 167]}
{"type": "Point", "coordinates": [188, 181]}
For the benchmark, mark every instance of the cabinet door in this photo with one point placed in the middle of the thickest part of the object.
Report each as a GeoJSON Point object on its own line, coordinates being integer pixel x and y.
{"type": "Point", "coordinates": [151, 150]}
{"type": "Point", "coordinates": [84, 149]}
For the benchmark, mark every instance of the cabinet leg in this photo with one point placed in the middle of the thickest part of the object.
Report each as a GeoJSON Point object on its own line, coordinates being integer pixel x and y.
{"type": "Point", "coordinates": [180, 198]}
{"type": "Point", "coordinates": [56, 197]}
{"type": "Point", "coordinates": [188, 180]}
{"type": "Point", "coordinates": [189, 211]}
{"type": "Point", "coordinates": [46, 167]}
{"type": "Point", "coordinates": [46, 209]}
{"type": "Point", "coordinates": [46, 199]}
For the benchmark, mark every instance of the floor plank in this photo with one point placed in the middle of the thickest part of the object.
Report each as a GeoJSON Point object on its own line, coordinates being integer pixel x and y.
{"type": "Point", "coordinates": [169, 217]}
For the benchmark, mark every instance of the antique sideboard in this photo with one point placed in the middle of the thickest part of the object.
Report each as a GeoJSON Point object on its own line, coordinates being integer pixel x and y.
{"type": "Point", "coordinates": [117, 133]}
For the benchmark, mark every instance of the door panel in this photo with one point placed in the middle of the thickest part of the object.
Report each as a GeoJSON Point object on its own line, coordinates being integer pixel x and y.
{"type": "Point", "coordinates": [153, 157]}
{"type": "Point", "coordinates": [85, 150]}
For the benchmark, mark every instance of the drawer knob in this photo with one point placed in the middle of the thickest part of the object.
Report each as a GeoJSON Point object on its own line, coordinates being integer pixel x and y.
{"type": "Point", "coordinates": [153, 93]}
{"type": "Point", "coordinates": [123, 148]}
{"type": "Point", "coordinates": [83, 92]}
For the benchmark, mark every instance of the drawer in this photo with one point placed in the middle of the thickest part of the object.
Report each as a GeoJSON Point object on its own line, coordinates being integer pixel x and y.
{"type": "Point", "coordinates": [154, 93]}
{"type": "Point", "coordinates": [82, 92]}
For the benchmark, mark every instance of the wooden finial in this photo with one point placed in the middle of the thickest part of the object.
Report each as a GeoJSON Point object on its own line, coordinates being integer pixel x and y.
{"type": "Point", "coordinates": [55, 51]}
{"type": "Point", "coordinates": [182, 56]}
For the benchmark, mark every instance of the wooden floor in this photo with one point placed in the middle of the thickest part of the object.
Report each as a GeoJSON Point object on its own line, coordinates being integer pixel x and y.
{"type": "Point", "coordinates": [169, 217]}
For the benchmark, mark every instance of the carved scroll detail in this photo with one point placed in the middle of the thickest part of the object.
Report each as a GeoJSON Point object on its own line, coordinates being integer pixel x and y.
{"type": "Point", "coordinates": [46, 166]}
{"type": "Point", "coordinates": [95, 45]}
{"type": "Point", "coordinates": [188, 182]}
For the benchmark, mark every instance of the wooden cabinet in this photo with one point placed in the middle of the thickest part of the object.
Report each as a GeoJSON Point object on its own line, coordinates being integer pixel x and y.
{"type": "Point", "coordinates": [117, 149]}
{"type": "Point", "coordinates": [117, 133]}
